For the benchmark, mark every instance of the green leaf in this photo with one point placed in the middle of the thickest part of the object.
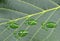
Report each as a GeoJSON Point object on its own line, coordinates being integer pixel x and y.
{"type": "Point", "coordinates": [18, 11]}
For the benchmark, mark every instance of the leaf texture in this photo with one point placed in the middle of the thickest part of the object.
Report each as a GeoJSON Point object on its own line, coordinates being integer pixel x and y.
{"type": "Point", "coordinates": [40, 10]}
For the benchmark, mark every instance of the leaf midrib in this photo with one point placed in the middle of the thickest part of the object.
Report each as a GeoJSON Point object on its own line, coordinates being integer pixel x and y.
{"type": "Point", "coordinates": [32, 15]}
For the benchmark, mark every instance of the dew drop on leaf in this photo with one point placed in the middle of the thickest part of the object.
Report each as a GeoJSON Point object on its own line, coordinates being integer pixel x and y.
{"type": "Point", "coordinates": [23, 33]}
{"type": "Point", "coordinates": [31, 21]}
{"type": "Point", "coordinates": [51, 24]}
{"type": "Point", "coordinates": [48, 25]}
{"type": "Point", "coordinates": [13, 25]}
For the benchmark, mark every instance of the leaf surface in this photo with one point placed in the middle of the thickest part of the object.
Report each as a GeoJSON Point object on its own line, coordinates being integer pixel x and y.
{"type": "Point", "coordinates": [40, 10]}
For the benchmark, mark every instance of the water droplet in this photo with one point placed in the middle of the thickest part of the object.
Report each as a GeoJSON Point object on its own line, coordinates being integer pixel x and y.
{"type": "Point", "coordinates": [51, 24]}
{"type": "Point", "coordinates": [48, 25]}
{"type": "Point", "coordinates": [31, 21]}
{"type": "Point", "coordinates": [23, 33]}
{"type": "Point", "coordinates": [13, 25]}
